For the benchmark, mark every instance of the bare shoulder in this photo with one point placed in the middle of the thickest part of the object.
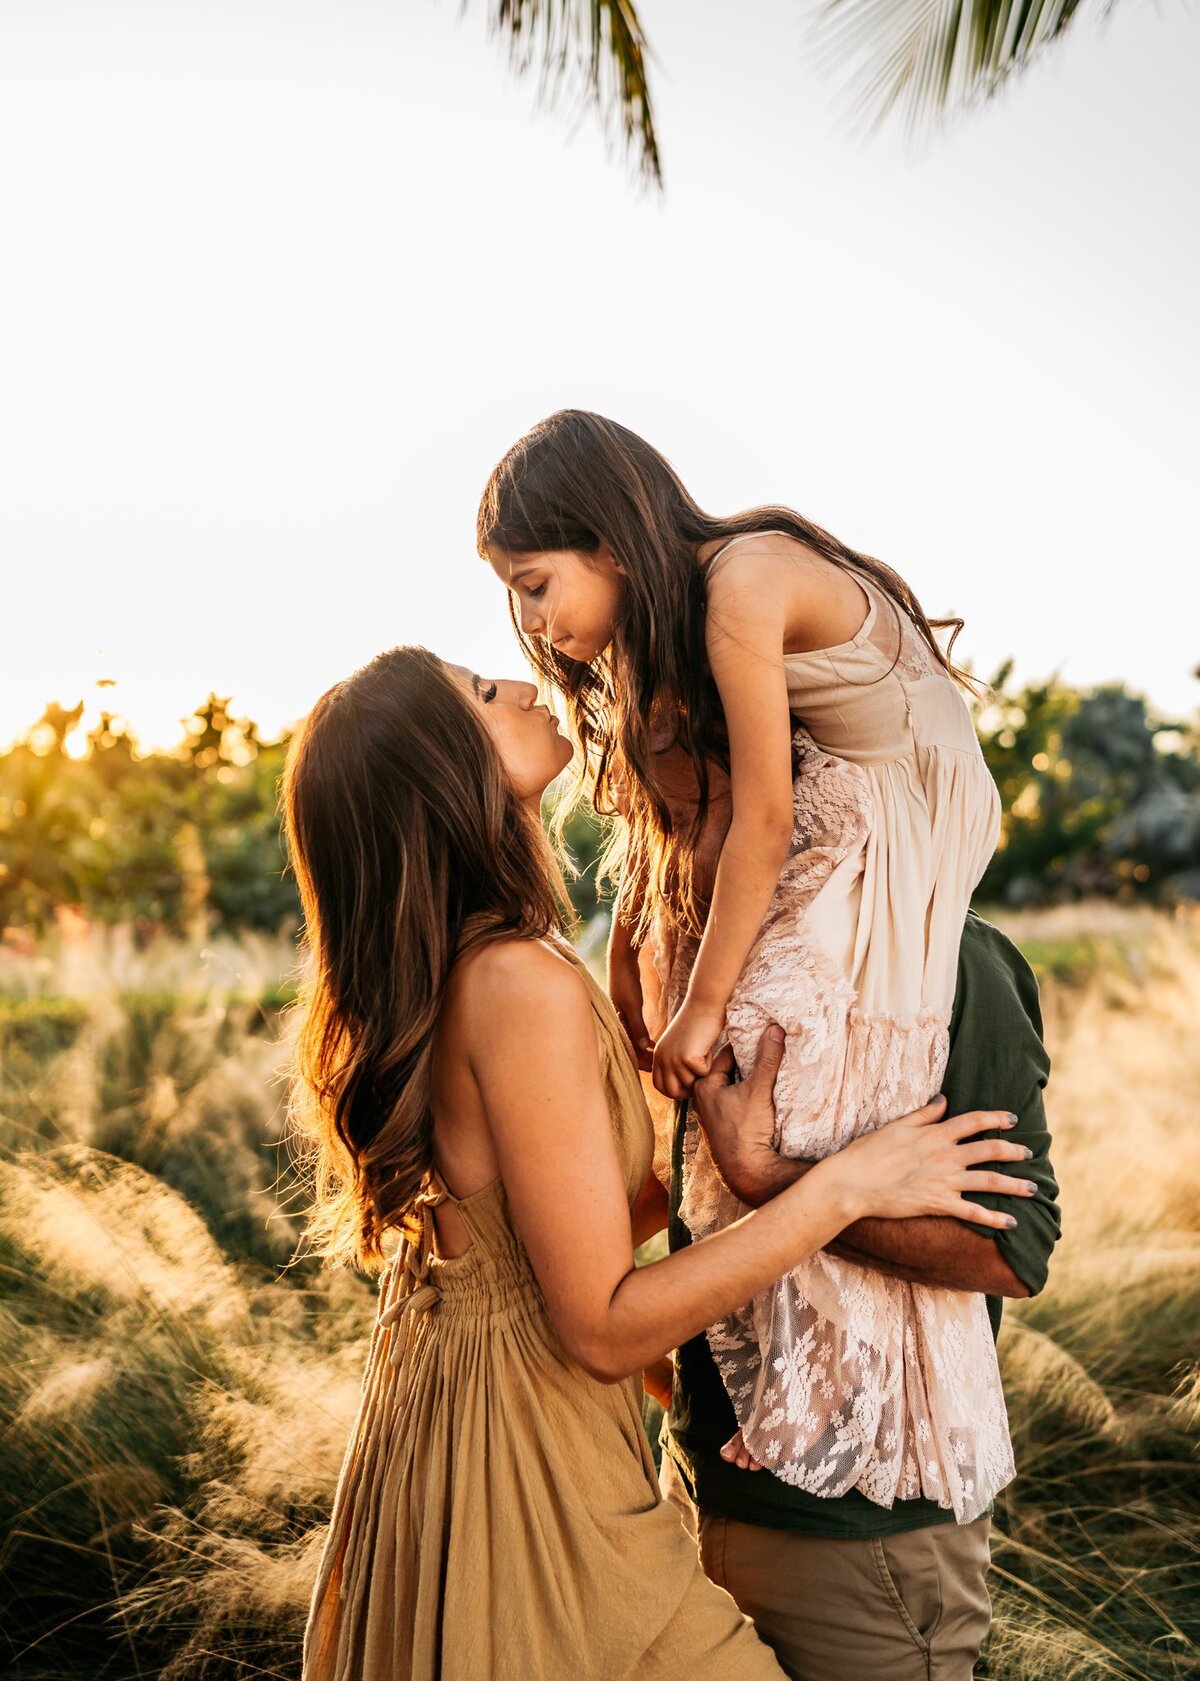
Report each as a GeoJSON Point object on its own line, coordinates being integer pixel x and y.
{"type": "Point", "coordinates": [777, 585]}
{"type": "Point", "coordinates": [516, 984]}
{"type": "Point", "coordinates": [768, 567]}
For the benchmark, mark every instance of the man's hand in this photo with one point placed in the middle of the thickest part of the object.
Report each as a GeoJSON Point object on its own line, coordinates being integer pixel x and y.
{"type": "Point", "coordinates": [739, 1122]}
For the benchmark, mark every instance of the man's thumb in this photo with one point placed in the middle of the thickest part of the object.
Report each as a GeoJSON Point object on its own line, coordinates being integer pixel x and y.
{"type": "Point", "coordinates": [770, 1053]}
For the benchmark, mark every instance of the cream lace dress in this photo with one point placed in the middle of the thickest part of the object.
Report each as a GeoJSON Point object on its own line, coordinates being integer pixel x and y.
{"type": "Point", "coordinates": [841, 1377]}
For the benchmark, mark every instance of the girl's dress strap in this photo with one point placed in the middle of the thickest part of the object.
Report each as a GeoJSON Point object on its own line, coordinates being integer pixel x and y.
{"type": "Point", "coordinates": [742, 537]}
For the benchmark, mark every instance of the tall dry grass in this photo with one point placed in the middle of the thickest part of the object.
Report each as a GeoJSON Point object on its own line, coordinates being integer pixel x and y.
{"type": "Point", "coordinates": [1097, 1561]}
{"type": "Point", "coordinates": [176, 1402]}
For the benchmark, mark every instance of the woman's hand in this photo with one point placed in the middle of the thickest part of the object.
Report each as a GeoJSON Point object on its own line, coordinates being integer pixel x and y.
{"type": "Point", "coordinates": [684, 1053]}
{"type": "Point", "coordinates": [921, 1165]}
{"type": "Point", "coordinates": [625, 990]}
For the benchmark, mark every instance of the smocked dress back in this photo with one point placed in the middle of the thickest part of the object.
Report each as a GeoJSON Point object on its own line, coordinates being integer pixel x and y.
{"type": "Point", "coordinates": [839, 1376]}
{"type": "Point", "coordinates": [497, 1516]}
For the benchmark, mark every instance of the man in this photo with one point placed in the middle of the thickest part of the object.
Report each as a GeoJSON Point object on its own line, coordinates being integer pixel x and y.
{"type": "Point", "coordinates": [843, 1589]}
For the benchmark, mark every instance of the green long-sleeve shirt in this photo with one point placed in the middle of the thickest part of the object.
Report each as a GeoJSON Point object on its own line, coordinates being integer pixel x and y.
{"type": "Point", "coordinates": [997, 1061]}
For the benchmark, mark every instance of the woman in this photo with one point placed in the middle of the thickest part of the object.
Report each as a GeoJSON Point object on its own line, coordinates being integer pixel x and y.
{"type": "Point", "coordinates": [471, 1093]}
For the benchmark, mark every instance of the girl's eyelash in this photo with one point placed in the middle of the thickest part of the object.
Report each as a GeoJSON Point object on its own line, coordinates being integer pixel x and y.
{"type": "Point", "coordinates": [488, 694]}
{"type": "Point", "coordinates": [539, 591]}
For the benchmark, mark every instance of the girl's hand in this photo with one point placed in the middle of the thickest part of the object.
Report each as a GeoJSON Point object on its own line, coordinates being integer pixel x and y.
{"type": "Point", "coordinates": [917, 1166]}
{"type": "Point", "coordinates": [684, 1053]}
{"type": "Point", "coordinates": [625, 990]}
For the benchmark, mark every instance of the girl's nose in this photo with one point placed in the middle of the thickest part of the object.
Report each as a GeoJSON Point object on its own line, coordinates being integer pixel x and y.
{"type": "Point", "coordinates": [532, 622]}
{"type": "Point", "coordinates": [529, 695]}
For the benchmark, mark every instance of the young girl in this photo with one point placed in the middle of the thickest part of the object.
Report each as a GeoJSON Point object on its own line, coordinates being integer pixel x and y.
{"type": "Point", "coordinates": [755, 671]}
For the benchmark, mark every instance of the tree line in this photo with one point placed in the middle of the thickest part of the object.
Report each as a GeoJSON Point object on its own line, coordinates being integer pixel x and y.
{"type": "Point", "coordinates": [1101, 796]}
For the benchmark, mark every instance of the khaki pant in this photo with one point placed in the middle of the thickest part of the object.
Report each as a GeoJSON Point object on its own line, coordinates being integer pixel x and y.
{"type": "Point", "coordinates": [911, 1607]}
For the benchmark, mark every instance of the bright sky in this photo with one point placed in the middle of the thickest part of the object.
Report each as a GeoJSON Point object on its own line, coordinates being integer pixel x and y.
{"type": "Point", "coordinates": [281, 279]}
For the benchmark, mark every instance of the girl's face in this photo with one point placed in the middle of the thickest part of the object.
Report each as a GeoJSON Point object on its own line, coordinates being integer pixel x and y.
{"type": "Point", "coordinates": [526, 733]}
{"type": "Point", "coordinates": [568, 599]}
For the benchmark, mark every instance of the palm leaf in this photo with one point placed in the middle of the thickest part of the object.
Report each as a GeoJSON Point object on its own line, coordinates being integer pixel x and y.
{"type": "Point", "coordinates": [930, 58]}
{"type": "Point", "coordinates": [594, 48]}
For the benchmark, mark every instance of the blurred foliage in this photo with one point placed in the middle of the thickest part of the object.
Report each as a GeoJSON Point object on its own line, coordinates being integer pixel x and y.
{"type": "Point", "coordinates": [1100, 796]}
{"type": "Point", "coordinates": [183, 842]}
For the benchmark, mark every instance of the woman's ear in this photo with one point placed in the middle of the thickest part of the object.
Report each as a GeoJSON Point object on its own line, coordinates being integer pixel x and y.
{"type": "Point", "coordinates": [605, 556]}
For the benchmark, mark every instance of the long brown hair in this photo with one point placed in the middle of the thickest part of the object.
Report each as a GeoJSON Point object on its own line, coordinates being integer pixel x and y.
{"type": "Point", "coordinates": [578, 480]}
{"type": "Point", "coordinates": [410, 846]}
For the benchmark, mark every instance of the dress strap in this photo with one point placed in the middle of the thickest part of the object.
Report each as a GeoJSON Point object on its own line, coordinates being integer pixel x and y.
{"type": "Point", "coordinates": [742, 537]}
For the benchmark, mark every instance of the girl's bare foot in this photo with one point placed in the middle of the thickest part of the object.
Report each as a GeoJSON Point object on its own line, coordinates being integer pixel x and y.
{"type": "Point", "coordinates": [735, 1452]}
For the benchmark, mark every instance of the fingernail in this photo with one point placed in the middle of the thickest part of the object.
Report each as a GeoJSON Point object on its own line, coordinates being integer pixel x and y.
{"type": "Point", "coordinates": [1028, 1154]}
{"type": "Point", "coordinates": [939, 1097]}
{"type": "Point", "coordinates": [1013, 1119]}
{"type": "Point", "coordinates": [1010, 1221]}
{"type": "Point", "coordinates": [1031, 1187]}
{"type": "Point", "coordinates": [727, 1453]}
{"type": "Point", "coordinates": [775, 1032]}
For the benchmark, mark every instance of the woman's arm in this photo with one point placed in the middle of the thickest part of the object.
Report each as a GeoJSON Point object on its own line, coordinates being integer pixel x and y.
{"type": "Point", "coordinates": [552, 1134]}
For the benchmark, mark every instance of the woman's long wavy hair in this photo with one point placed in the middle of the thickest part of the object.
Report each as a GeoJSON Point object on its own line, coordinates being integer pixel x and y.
{"type": "Point", "coordinates": [410, 846]}
{"type": "Point", "coordinates": [578, 480]}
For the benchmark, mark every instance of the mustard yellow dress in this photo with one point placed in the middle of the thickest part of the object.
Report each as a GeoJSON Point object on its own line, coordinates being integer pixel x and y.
{"type": "Point", "coordinates": [497, 1517]}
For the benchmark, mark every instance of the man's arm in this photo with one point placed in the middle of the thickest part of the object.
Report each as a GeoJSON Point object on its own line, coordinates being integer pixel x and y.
{"type": "Point", "coordinates": [932, 1250]}
{"type": "Point", "coordinates": [997, 1060]}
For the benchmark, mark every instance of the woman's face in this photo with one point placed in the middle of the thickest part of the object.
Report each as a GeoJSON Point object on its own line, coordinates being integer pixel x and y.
{"type": "Point", "coordinates": [528, 739]}
{"type": "Point", "coordinates": [570, 600]}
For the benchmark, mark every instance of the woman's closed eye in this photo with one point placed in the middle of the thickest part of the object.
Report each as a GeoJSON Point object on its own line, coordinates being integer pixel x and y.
{"type": "Point", "coordinates": [537, 594]}
{"type": "Point", "coordinates": [487, 692]}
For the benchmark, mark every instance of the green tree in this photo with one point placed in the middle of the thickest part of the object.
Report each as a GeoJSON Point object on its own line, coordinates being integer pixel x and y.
{"type": "Point", "coordinates": [1098, 794]}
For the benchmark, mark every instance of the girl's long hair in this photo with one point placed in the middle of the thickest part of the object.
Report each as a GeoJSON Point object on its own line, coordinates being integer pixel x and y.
{"type": "Point", "coordinates": [410, 846]}
{"type": "Point", "coordinates": [577, 480]}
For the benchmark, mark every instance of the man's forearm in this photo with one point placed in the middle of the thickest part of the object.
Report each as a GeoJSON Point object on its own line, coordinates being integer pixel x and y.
{"type": "Point", "coordinates": [934, 1250]}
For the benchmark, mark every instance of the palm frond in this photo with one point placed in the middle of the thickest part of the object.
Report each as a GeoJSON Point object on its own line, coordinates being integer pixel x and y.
{"type": "Point", "coordinates": [932, 58]}
{"type": "Point", "coordinates": [590, 48]}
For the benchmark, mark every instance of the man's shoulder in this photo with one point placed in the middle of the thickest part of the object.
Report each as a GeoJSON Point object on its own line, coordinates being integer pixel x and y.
{"type": "Point", "coordinates": [990, 968]}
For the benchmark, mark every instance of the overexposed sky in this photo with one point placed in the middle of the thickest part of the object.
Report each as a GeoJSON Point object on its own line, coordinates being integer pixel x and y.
{"type": "Point", "coordinates": [281, 279]}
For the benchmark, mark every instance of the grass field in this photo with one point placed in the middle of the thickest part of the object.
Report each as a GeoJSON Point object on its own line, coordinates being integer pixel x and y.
{"type": "Point", "coordinates": [176, 1397]}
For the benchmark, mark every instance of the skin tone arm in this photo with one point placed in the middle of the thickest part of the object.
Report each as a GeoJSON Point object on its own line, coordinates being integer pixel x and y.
{"type": "Point", "coordinates": [746, 633]}
{"type": "Point", "coordinates": [625, 987]}
{"type": "Point", "coordinates": [552, 1136]}
{"type": "Point", "coordinates": [739, 1122]}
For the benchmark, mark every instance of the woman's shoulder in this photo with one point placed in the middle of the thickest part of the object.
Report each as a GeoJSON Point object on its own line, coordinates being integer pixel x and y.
{"type": "Point", "coordinates": [509, 976]}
